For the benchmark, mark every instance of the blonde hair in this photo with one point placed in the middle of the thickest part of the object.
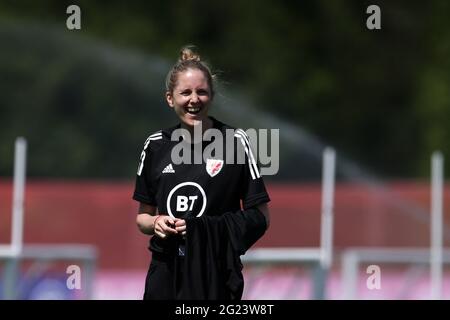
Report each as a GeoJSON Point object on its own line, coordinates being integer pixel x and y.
{"type": "Point", "coordinates": [189, 60]}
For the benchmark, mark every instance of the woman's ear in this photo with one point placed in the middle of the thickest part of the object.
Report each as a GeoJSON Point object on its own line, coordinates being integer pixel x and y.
{"type": "Point", "coordinates": [169, 99]}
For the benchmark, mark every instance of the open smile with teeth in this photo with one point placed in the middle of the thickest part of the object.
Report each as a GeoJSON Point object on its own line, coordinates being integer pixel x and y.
{"type": "Point", "coordinates": [193, 110]}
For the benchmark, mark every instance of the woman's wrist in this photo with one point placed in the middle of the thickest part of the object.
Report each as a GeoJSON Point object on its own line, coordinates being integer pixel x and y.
{"type": "Point", "coordinates": [156, 220]}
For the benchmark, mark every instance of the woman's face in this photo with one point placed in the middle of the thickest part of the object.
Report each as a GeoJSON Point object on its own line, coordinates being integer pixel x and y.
{"type": "Point", "coordinates": [190, 97]}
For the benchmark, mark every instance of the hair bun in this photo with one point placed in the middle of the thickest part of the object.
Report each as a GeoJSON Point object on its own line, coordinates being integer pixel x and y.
{"type": "Point", "coordinates": [188, 54]}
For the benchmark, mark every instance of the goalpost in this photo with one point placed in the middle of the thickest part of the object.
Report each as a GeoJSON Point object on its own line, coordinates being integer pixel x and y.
{"type": "Point", "coordinates": [12, 254]}
{"type": "Point", "coordinates": [435, 256]}
{"type": "Point", "coordinates": [318, 259]}
{"type": "Point", "coordinates": [14, 249]}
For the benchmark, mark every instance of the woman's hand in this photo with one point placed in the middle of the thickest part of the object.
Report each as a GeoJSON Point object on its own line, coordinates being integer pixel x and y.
{"type": "Point", "coordinates": [180, 226]}
{"type": "Point", "coordinates": [164, 226]}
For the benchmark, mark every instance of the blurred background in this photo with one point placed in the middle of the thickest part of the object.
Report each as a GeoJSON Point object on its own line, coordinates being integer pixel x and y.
{"type": "Point", "coordinates": [87, 99]}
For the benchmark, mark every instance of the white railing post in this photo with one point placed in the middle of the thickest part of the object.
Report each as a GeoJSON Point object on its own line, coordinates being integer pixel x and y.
{"type": "Point", "coordinates": [326, 226]}
{"type": "Point", "coordinates": [20, 155]}
{"type": "Point", "coordinates": [437, 173]}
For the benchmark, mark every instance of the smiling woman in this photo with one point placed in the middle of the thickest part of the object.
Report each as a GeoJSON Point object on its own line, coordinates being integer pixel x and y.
{"type": "Point", "coordinates": [190, 90]}
{"type": "Point", "coordinates": [202, 216]}
{"type": "Point", "coordinates": [191, 98]}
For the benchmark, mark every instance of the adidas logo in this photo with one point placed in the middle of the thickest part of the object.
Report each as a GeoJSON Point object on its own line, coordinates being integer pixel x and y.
{"type": "Point", "coordinates": [168, 169]}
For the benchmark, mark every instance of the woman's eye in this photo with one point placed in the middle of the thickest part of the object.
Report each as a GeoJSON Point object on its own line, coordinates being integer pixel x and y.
{"type": "Point", "coordinates": [185, 93]}
{"type": "Point", "coordinates": [202, 92]}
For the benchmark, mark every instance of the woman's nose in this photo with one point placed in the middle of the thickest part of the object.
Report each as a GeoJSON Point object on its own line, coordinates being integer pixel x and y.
{"type": "Point", "coordinates": [194, 98]}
